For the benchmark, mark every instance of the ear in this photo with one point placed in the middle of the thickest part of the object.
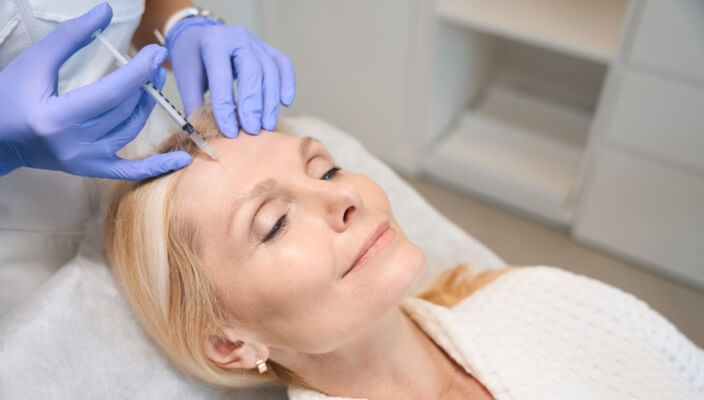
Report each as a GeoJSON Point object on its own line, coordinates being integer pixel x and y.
{"type": "Point", "coordinates": [227, 351]}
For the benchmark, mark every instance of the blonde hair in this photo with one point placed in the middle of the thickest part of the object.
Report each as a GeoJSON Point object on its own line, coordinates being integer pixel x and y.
{"type": "Point", "coordinates": [455, 284]}
{"type": "Point", "coordinates": [153, 254]}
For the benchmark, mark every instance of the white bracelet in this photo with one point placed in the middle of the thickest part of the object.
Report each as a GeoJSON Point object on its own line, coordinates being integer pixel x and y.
{"type": "Point", "coordinates": [177, 16]}
{"type": "Point", "coordinates": [192, 11]}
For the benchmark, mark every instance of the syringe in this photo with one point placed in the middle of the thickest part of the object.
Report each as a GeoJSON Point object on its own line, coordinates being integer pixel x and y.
{"type": "Point", "coordinates": [186, 126]}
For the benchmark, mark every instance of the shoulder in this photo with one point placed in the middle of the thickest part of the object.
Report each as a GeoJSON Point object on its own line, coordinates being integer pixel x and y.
{"type": "Point", "coordinates": [547, 281]}
{"type": "Point", "coordinates": [546, 300]}
{"type": "Point", "coordinates": [553, 303]}
{"type": "Point", "coordinates": [553, 292]}
{"type": "Point", "coordinates": [560, 322]}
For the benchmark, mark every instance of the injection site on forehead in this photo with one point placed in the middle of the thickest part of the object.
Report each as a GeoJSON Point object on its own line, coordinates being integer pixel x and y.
{"type": "Point", "coordinates": [248, 166]}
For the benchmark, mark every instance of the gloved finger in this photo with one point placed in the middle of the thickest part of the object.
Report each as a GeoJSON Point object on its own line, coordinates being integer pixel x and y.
{"type": "Point", "coordinates": [130, 126]}
{"type": "Point", "coordinates": [220, 82]}
{"type": "Point", "coordinates": [271, 84]}
{"type": "Point", "coordinates": [94, 128]}
{"type": "Point", "coordinates": [136, 170]}
{"type": "Point", "coordinates": [249, 89]}
{"type": "Point", "coordinates": [72, 35]}
{"type": "Point", "coordinates": [286, 71]}
{"type": "Point", "coordinates": [191, 83]}
{"type": "Point", "coordinates": [158, 80]}
{"type": "Point", "coordinates": [91, 100]}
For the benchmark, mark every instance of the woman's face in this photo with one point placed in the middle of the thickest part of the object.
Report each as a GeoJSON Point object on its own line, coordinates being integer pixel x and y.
{"type": "Point", "coordinates": [279, 229]}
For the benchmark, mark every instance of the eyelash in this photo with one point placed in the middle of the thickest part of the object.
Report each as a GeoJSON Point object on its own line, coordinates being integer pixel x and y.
{"type": "Point", "coordinates": [281, 223]}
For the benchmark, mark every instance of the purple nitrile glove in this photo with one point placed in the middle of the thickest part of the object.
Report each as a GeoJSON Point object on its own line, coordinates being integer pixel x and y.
{"type": "Point", "coordinates": [206, 54]}
{"type": "Point", "coordinates": [80, 131]}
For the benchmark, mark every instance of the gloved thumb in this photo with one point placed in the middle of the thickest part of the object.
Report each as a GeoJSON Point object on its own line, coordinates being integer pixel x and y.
{"type": "Point", "coordinates": [72, 35]}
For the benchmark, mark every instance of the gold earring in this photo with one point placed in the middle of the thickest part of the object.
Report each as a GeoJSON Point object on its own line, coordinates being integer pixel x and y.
{"type": "Point", "coordinates": [261, 365]}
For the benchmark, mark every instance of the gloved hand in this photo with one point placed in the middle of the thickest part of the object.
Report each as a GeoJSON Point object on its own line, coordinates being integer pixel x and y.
{"type": "Point", "coordinates": [205, 53]}
{"type": "Point", "coordinates": [79, 131]}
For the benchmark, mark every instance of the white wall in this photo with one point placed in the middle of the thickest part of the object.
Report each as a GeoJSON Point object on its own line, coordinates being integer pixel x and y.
{"type": "Point", "coordinates": [356, 65]}
{"type": "Point", "coordinates": [240, 12]}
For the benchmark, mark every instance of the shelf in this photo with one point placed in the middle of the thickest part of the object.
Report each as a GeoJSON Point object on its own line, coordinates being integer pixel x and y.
{"type": "Point", "coordinates": [522, 150]}
{"type": "Point", "coordinates": [586, 29]}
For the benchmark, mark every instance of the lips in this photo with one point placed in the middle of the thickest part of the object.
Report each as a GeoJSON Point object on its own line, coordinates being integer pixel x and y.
{"type": "Point", "coordinates": [362, 255]}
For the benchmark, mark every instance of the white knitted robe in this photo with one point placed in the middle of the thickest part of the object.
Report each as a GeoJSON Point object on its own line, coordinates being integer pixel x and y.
{"type": "Point", "coordinates": [545, 333]}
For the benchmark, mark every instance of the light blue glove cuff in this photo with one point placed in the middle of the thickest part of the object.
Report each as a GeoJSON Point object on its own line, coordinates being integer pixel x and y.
{"type": "Point", "coordinates": [184, 24]}
{"type": "Point", "coordinates": [9, 159]}
{"type": "Point", "coordinates": [5, 171]}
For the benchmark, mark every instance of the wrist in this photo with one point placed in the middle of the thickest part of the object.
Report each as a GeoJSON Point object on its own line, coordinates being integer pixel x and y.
{"type": "Point", "coordinates": [186, 23]}
{"type": "Point", "coordinates": [186, 12]}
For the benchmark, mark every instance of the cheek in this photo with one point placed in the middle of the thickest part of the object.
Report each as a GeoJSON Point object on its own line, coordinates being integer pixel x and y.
{"type": "Point", "coordinates": [298, 268]}
{"type": "Point", "coordinates": [282, 288]}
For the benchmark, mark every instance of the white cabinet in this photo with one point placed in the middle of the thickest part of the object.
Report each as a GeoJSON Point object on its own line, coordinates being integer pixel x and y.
{"type": "Point", "coordinates": [586, 29]}
{"type": "Point", "coordinates": [646, 211]}
{"type": "Point", "coordinates": [668, 36]}
{"type": "Point", "coordinates": [516, 148]}
{"type": "Point", "coordinates": [528, 76]}
{"type": "Point", "coordinates": [660, 117]}
{"type": "Point", "coordinates": [643, 197]}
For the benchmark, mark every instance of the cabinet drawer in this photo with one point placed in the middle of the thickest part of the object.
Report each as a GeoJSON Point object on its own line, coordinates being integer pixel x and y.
{"type": "Point", "coordinates": [669, 35]}
{"type": "Point", "coordinates": [647, 212]}
{"type": "Point", "coordinates": [658, 116]}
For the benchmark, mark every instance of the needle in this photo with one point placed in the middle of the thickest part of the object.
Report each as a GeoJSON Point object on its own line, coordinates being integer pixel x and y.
{"type": "Point", "coordinates": [186, 126]}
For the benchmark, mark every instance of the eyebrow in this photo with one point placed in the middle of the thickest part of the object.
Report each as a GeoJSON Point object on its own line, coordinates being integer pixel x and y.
{"type": "Point", "coordinates": [305, 145]}
{"type": "Point", "coordinates": [265, 186]}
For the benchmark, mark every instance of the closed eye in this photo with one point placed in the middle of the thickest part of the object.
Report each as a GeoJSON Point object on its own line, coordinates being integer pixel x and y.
{"type": "Point", "coordinates": [282, 222]}
{"type": "Point", "coordinates": [278, 226]}
{"type": "Point", "coordinates": [330, 173]}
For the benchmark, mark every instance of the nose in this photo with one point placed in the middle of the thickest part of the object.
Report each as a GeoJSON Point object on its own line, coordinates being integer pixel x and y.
{"type": "Point", "coordinates": [341, 203]}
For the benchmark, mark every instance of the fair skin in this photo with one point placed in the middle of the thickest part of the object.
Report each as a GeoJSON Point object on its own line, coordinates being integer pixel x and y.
{"type": "Point", "coordinates": [285, 282]}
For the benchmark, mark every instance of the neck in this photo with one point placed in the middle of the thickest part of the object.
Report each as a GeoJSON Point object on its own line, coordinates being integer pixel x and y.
{"type": "Point", "coordinates": [394, 359]}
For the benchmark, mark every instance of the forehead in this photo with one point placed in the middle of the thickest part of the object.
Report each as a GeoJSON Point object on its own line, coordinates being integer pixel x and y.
{"type": "Point", "coordinates": [242, 162]}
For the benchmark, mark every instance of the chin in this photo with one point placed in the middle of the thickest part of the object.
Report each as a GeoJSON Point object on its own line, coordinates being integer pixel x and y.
{"type": "Point", "coordinates": [383, 288]}
{"type": "Point", "coordinates": [401, 273]}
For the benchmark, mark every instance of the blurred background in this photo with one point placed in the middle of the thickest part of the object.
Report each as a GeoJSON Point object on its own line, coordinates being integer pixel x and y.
{"type": "Point", "coordinates": [557, 132]}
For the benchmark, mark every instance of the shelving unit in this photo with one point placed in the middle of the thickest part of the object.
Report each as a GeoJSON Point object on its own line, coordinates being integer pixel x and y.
{"type": "Point", "coordinates": [587, 29]}
{"type": "Point", "coordinates": [515, 147]}
{"type": "Point", "coordinates": [530, 74]}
